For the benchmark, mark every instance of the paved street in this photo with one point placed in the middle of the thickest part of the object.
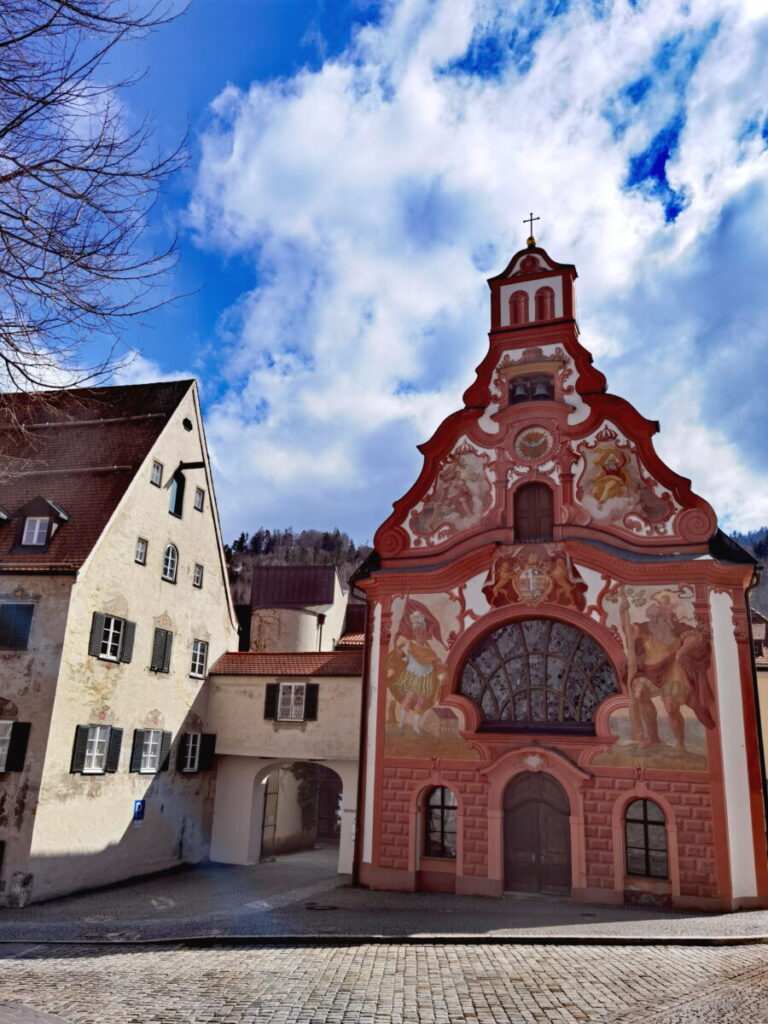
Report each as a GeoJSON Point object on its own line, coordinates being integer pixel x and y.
{"type": "Point", "coordinates": [303, 951]}
{"type": "Point", "coordinates": [414, 984]}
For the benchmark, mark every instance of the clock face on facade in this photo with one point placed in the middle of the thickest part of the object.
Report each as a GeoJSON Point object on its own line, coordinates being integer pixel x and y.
{"type": "Point", "coordinates": [533, 443]}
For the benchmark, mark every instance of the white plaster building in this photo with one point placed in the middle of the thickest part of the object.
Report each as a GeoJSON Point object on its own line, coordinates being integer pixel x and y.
{"type": "Point", "coordinates": [113, 602]}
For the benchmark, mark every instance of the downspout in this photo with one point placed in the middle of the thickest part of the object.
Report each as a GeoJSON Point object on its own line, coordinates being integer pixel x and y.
{"type": "Point", "coordinates": [363, 744]}
{"type": "Point", "coordinates": [756, 692]}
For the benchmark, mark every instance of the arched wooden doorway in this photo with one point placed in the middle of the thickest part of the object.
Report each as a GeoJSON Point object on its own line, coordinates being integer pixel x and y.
{"type": "Point", "coordinates": [537, 835]}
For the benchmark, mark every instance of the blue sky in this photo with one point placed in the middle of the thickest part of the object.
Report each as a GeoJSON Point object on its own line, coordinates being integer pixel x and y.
{"type": "Point", "coordinates": [358, 169]}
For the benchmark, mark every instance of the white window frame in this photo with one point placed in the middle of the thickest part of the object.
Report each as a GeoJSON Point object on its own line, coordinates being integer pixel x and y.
{"type": "Point", "coordinates": [150, 751]}
{"type": "Point", "coordinates": [112, 637]}
{"type": "Point", "coordinates": [192, 752]}
{"type": "Point", "coordinates": [6, 727]}
{"type": "Point", "coordinates": [197, 575]}
{"type": "Point", "coordinates": [170, 563]}
{"type": "Point", "coordinates": [35, 531]}
{"type": "Point", "coordinates": [96, 749]}
{"type": "Point", "coordinates": [156, 474]}
{"type": "Point", "coordinates": [199, 659]}
{"type": "Point", "coordinates": [199, 499]}
{"type": "Point", "coordinates": [291, 702]}
{"type": "Point", "coordinates": [140, 554]}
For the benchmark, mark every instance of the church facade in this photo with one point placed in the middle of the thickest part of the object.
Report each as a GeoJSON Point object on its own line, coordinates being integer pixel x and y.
{"type": "Point", "coordinates": [559, 695]}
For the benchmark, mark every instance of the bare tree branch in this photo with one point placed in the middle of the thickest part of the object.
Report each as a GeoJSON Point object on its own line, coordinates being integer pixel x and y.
{"type": "Point", "coordinates": [76, 188]}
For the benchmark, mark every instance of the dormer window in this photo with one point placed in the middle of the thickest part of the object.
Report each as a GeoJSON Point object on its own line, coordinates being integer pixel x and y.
{"type": "Point", "coordinates": [532, 387]}
{"type": "Point", "coordinates": [35, 531]}
{"type": "Point", "coordinates": [38, 521]}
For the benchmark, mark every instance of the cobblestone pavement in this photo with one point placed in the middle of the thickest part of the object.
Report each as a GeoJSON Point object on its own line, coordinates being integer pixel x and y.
{"type": "Point", "coordinates": [374, 984]}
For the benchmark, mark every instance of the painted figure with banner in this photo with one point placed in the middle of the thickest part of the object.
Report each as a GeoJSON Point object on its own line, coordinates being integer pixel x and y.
{"type": "Point", "coordinates": [415, 672]}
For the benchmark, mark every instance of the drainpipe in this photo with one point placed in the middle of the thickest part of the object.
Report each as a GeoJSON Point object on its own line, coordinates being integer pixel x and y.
{"type": "Point", "coordinates": [320, 624]}
{"type": "Point", "coordinates": [756, 692]}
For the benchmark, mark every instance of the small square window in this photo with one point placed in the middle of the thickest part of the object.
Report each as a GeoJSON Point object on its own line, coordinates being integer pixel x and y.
{"type": "Point", "coordinates": [156, 476]}
{"type": "Point", "coordinates": [199, 658]}
{"type": "Point", "coordinates": [96, 749]}
{"type": "Point", "coordinates": [150, 751]}
{"type": "Point", "coordinates": [290, 706]}
{"type": "Point", "coordinates": [191, 752]}
{"type": "Point", "coordinates": [141, 551]}
{"type": "Point", "coordinates": [199, 499]}
{"type": "Point", "coordinates": [35, 530]}
{"type": "Point", "coordinates": [15, 624]}
{"type": "Point", "coordinates": [5, 742]}
{"type": "Point", "coordinates": [197, 578]}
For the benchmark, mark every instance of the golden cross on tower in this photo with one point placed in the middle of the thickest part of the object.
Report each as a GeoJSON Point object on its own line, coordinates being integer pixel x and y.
{"type": "Point", "coordinates": [529, 221]}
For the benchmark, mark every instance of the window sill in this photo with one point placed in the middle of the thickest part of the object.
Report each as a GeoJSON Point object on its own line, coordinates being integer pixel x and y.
{"type": "Point", "coordinates": [93, 771]}
{"type": "Point", "coordinates": [176, 515]}
{"type": "Point", "coordinates": [109, 658]}
{"type": "Point", "coordinates": [167, 579]}
{"type": "Point", "coordinates": [195, 675]}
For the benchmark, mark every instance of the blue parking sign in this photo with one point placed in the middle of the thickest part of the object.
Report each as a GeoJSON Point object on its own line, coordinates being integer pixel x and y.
{"type": "Point", "coordinates": [138, 810]}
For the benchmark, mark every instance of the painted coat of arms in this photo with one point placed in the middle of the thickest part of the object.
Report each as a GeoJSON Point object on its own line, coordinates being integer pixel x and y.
{"type": "Point", "coordinates": [531, 575]}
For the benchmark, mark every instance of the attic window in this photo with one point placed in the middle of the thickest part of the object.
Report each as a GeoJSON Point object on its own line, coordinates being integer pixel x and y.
{"type": "Point", "coordinates": [177, 494]}
{"type": "Point", "coordinates": [35, 531]}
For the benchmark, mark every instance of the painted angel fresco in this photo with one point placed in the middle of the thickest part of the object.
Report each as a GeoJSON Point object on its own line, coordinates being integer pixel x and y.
{"type": "Point", "coordinates": [462, 493]}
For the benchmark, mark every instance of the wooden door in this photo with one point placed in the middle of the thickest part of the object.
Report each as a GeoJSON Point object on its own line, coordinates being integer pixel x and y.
{"type": "Point", "coordinates": [537, 835]}
{"type": "Point", "coordinates": [533, 513]}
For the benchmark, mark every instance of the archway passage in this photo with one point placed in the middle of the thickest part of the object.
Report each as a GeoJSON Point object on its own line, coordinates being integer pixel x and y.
{"type": "Point", "coordinates": [537, 836]}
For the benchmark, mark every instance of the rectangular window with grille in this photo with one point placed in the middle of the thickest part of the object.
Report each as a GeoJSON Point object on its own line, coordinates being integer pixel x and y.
{"type": "Point", "coordinates": [96, 750]}
{"type": "Point", "coordinates": [111, 638]}
{"type": "Point", "coordinates": [197, 578]}
{"type": "Point", "coordinates": [199, 658]}
{"type": "Point", "coordinates": [15, 625]}
{"type": "Point", "coordinates": [156, 476]}
{"type": "Point", "coordinates": [35, 531]}
{"type": "Point", "coordinates": [290, 706]}
{"type": "Point", "coordinates": [5, 742]}
{"type": "Point", "coordinates": [192, 752]}
{"type": "Point", "coordinates": [150, 751]}
{"type": "Point", "coordinates": [141, 551]}
{"type": "Point", "coordinates": [199, 499]}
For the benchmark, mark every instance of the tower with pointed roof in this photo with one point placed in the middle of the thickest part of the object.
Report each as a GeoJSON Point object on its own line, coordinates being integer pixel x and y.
{"type": "Point", "coordinates": [559, 690]}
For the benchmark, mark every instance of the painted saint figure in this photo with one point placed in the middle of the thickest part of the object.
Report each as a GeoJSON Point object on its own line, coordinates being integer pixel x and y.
{"type": "Point", "coordinates": [414, 670]}
{"type": "Point", "coordinates": [669, 658]}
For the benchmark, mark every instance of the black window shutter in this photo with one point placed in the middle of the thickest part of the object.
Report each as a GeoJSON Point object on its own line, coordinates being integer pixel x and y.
{"type": "Point", "coordinates": [167, 651]}
{"type": "Point", "coordinates": [207, 752]}
{"type": "Point", "coordinates": [165, 752]}
{"type": "Point", "coordinates": [129, 632]}
{"type": "Point", "coordinates": [270, 700]}
{"type": "Point", "coordinates": [97, 631]}
{"type": "Point", "coordinates": [158, 651]}
{"type": "Point", "coordinates": [181, 751]}
{"type": "Point", "coordinates": [113, 750]}
{"type": "Point", "coordinates": [136, 749]}
{"type": "Point", "coordinates": [17, 748]}
{"type": "Point", "coordinates": [78, 751]}
{"type": "Point", "coordinates": [310, 702]}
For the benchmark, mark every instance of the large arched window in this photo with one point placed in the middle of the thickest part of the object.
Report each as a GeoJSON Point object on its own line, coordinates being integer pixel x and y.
{"type": "Point", "coordinates": [545, 304]}
{"type": "Point", "coordinates": [170, 563]}
{"type": "Point", "coordinates": [440, 823]}
{"type": "Point", "coordinates": [538, 674]}
{"type": "Point", "coordinates": [518, 308]}
{"type": "Point", "coordinates": [533, 513]}
{"type": "Point", "coordinates": [646, 839]}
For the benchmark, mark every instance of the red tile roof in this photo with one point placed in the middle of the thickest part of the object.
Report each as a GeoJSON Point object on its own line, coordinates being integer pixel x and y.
{"type": "Point", "coordinates": [292, 586]}
{"type": "Point", "coordinates": [306, 663]}
{"type": "Point", "coordinates": [80, 449]}
{"type": "Point", "coordinates": [351, 641]}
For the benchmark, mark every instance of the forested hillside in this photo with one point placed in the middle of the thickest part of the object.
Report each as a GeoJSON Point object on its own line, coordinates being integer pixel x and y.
{"type": "Point", "coordinates": [284, 547]}
{"type": "Point", "coordinates": [756, 542]}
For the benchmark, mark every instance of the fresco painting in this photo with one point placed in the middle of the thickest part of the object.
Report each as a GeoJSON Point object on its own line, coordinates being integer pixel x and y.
{"type": "Point", "coordinates": [531, 575]}
{"type": "Point", "coordinates": [461, 495]}
{"type": "Point", "coordinates": [416, 726]}
{"type": "Point", "coordinates": [670, 697]}
{"type": "Point", "coordinates": [613, 488]}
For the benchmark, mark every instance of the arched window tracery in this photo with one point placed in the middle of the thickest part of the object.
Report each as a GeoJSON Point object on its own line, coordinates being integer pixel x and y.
{"type": "Point", "coordinates": [538, 674]}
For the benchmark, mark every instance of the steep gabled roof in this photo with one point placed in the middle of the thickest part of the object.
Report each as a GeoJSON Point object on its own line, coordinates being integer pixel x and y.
{"type": "Point", "coordinates": [79, 450]}
{"type": "Point", "coordinates": [292, 586]}
{"type": "Point", "coordinates": [303, 663]}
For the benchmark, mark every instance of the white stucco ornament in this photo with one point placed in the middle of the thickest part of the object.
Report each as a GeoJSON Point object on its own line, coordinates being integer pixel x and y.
{"type": "Point", "coordinates": [534, 761]}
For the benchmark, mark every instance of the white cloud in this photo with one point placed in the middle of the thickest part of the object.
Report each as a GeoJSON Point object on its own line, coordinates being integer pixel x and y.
{"type": "Point", "coordinates": [375, 195]}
